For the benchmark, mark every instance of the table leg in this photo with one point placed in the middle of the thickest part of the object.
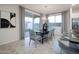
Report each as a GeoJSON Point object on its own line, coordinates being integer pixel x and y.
{"type": "Point", "coordinates": [42, 40]}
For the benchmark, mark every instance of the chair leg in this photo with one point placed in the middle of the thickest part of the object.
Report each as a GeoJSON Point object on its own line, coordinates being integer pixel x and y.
{"type": "Point", "coordinates": [29, 42]}
{"type": "Point", "coordinates": [51, 35]}
{"type": "Point", "coordinates": [35, 43]}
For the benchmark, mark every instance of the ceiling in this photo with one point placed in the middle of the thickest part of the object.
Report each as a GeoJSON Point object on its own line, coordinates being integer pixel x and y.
{"type": "Point", "coordinates": [47, 8]}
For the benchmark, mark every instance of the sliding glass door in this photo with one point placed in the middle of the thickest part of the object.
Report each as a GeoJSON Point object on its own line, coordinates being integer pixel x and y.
{"type": "Point", "coordinates": [36, 24]}
{"type": "Point", "coordinates": [32, 23]}
{"type": "Point", "coordinates": [28, 23]}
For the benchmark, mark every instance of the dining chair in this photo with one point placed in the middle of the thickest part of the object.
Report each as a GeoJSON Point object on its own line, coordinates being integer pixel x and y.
{"type": "Point", "coordinates": [51, 34]}
{"type": "Point", "coordinates": [34, 37]}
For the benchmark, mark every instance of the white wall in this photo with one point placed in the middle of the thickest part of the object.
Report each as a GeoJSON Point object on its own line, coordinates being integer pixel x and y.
{"type": "Point", "coordinates": [66, 20]}
{"type": "Point", "coordinates": [8, 35]}
{"type": "Point", "coordinates": [75, 13]}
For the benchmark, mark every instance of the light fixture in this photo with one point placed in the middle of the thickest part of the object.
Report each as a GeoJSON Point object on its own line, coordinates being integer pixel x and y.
{"type": "Point", "coordinates": [43, 17]}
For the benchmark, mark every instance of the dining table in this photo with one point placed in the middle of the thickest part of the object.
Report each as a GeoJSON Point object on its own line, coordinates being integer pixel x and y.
{"type": "Point", "coordinates": [41, 33]}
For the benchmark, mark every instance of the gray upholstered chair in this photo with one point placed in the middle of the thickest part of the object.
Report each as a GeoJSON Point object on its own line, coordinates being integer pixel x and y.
{"type": "Point", "coordinates": [45, 36]}
{"type": "Point", "coordinates": [51, 34]}
{"type": "Point", "coordinates": [34, 37]}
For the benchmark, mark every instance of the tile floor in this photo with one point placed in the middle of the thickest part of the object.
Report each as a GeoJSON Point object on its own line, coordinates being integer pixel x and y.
{"type": "Point", "coordinates": [22, 47]}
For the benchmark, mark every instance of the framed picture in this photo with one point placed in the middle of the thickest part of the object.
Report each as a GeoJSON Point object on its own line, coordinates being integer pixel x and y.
{"type": "Point", "coordinates": [7, 19]}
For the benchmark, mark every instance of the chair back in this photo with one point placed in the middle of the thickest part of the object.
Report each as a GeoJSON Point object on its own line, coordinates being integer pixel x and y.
{"type": "Point", "coordinates": [51, 33]}
{"type": "Point", "coordinates": [32, 33]}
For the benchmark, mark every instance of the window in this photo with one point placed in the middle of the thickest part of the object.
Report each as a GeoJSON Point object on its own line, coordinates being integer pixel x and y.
{"type": "Point", "coordinates": [28, 23]}
{"type": "Point", "coordinates": [54, 21]}
{"type": "Point", "coordinates": [51, 19]}
{"type": "Point", "coordinates": [37, 20]}
{"type": "Point", "coordinates": [28, 19]}
{"type": "Point", "coordinates": [36, 24]}
{"type": "Point", "coordinates": [58, 19]}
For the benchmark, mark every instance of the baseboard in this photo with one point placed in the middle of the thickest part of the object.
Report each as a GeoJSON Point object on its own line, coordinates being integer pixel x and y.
{"type": "Point", "coordinates": [8, 42]}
